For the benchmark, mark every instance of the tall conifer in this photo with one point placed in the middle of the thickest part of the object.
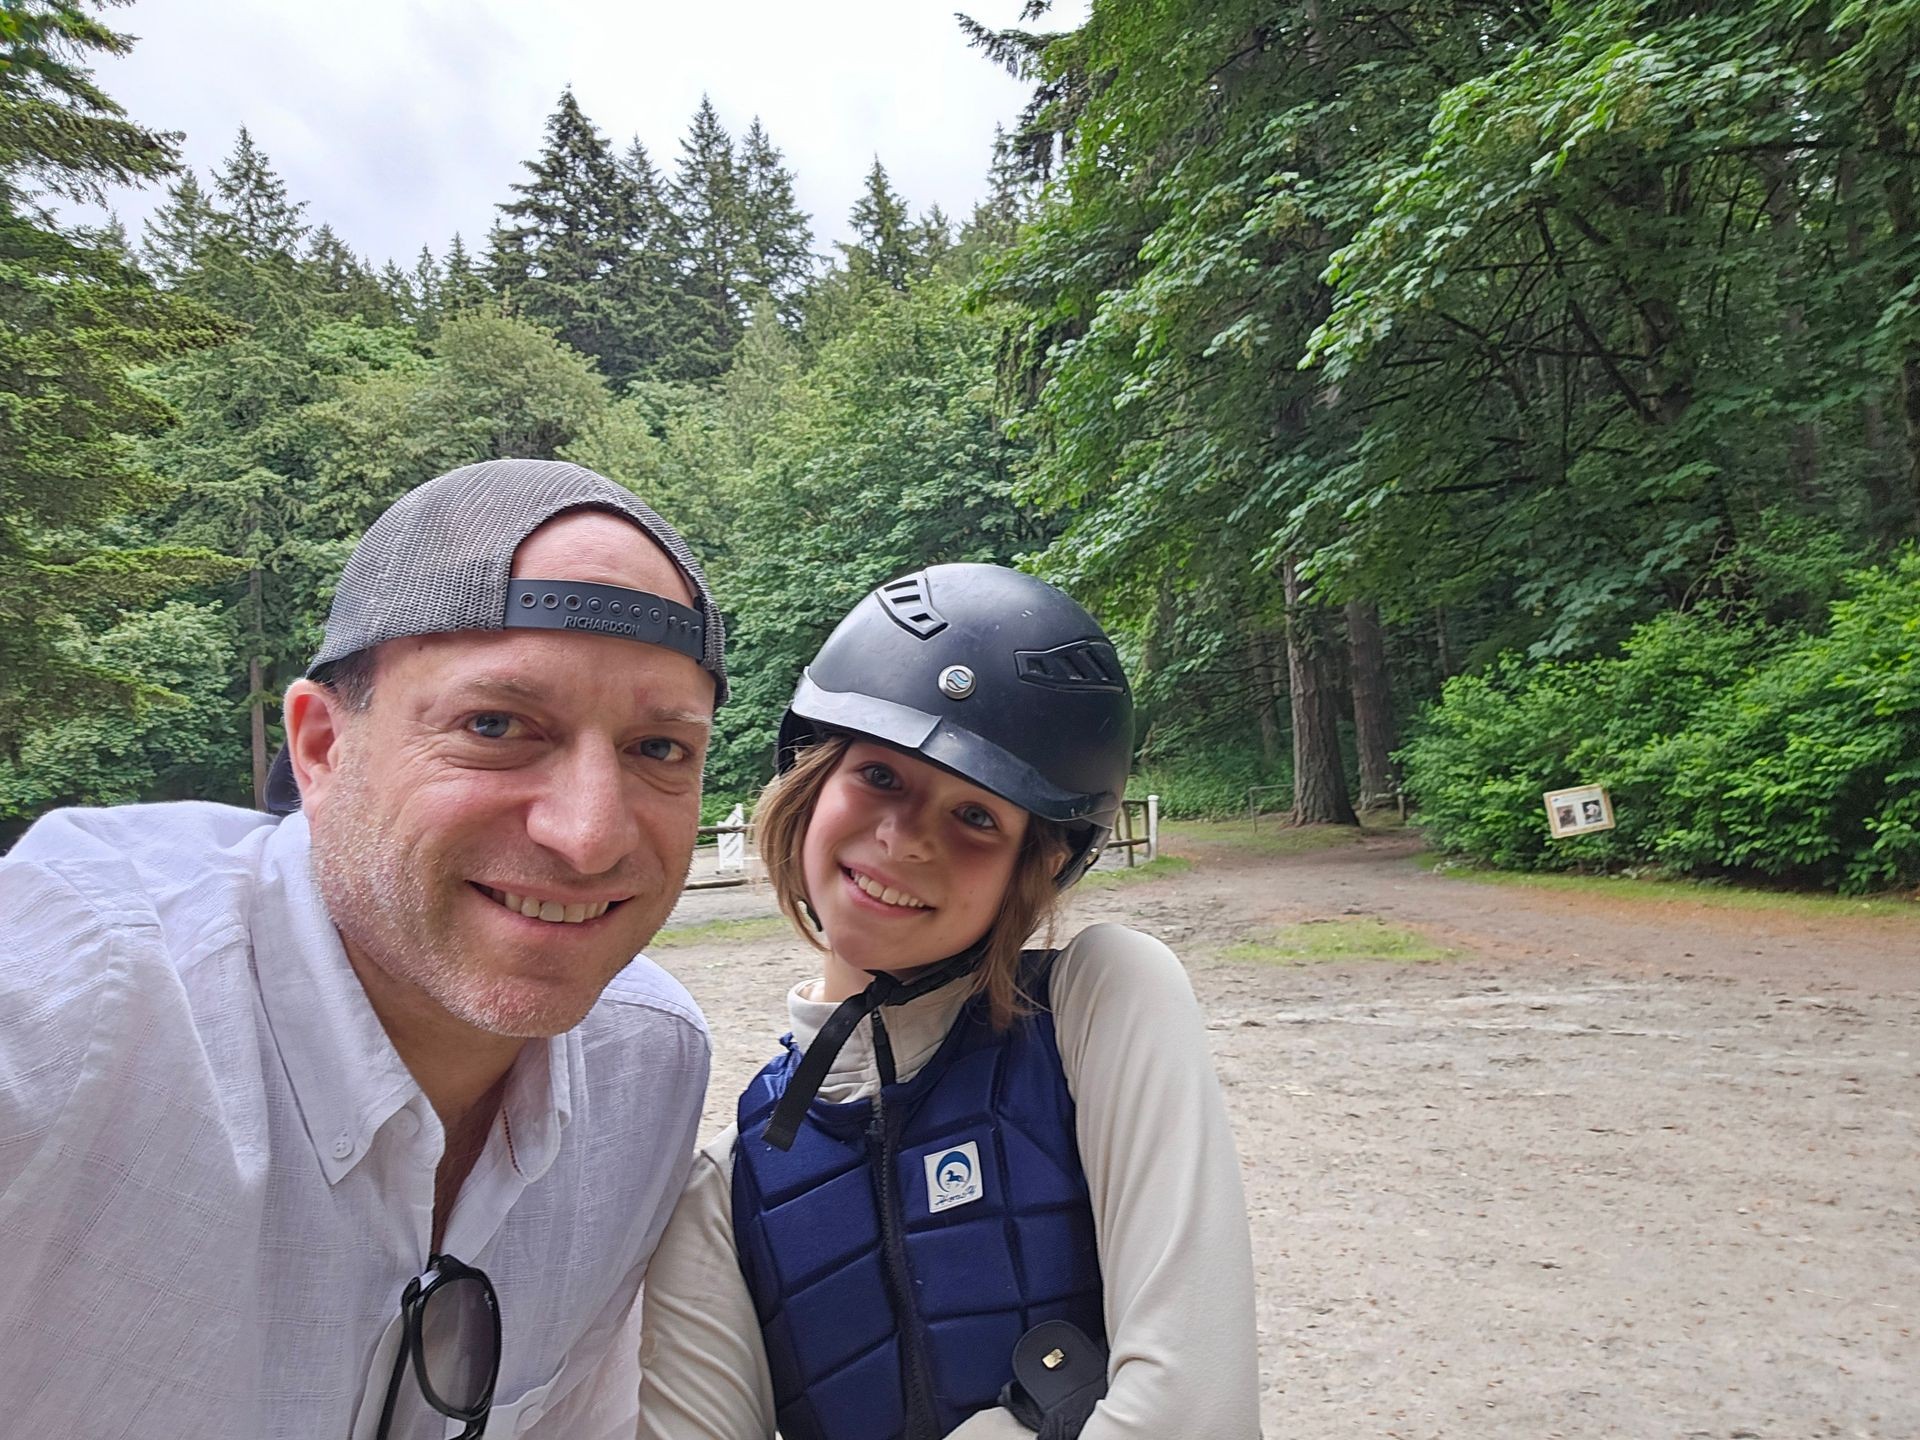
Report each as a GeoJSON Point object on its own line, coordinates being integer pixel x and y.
{"type": "Point", "coordinates": [174, 238]}
{"type": "Point", "coordinates": [883, 248]}
{"type": "Point", "coordinates": [462, 287]}
{"type": "Point", "coordinates": [780, 240]}
{"type": "Point", "coordinates": [557, 248]}
{"type": "Point", "coordinates": [646, 282]}
{"type": "Point", "coordinates": [75, 320]}
{"type": "Point", "coordinates": [708, 197]}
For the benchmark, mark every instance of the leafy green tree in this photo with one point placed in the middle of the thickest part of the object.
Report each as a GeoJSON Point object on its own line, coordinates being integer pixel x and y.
{"type": "Point", "coordinates": [76, 320]}
{"type": "Point", "coordinates": [885, 454]}
{"type": "Point", "coordinates": [492, 386]}
{"type": "Point", "coordinates": [181, 743]}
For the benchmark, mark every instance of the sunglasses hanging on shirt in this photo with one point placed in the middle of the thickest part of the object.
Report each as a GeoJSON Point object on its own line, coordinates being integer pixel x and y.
{"type": "Point", "coordinates": [450, 1329]}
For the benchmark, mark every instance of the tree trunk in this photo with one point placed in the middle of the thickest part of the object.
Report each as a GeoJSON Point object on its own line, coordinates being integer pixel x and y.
{"type": "Point", "coordinates": [1887, 521]}
{"type": "Point", "coordinates": [1783, 215]}
{"type": "Point", "coordinates": [1319, 776]}
{"type": "Point", "coordinates": [1261, 679]}
{"type": "Point", "coordinates": [1443, 651]}
{"type": "Point", "coordinates": [1375, 737]}
{"type": "Point", "coordinates": [1903, 219]}
{"type": "Point", "coordinates": [256, 695]}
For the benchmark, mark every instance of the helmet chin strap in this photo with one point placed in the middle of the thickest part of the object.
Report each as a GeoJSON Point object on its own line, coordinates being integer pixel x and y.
{"type": "Point", "coordinates": [883, 991]}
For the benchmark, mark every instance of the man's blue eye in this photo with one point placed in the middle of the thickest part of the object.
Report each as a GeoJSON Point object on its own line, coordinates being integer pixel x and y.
{"type": "Point", "coordinates": [661, 748]}
{"type": "Point", "coordinates": [490, 727]}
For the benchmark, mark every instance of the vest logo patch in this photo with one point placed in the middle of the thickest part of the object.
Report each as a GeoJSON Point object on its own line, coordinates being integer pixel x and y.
{"type": "Point", "coordinates": [953, 1177]}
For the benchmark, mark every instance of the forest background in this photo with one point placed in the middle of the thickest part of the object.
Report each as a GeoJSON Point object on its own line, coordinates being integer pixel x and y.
{"type": "Point", "coordinates": [1451, 399]}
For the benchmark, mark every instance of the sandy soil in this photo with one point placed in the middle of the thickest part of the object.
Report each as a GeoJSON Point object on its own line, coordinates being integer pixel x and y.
{"type": "Point", "coordinates": [1617, 1168]}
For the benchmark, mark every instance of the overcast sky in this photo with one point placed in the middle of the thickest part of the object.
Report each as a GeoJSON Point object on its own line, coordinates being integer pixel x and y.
{"type": "Point", "coordinates": [402, 121]}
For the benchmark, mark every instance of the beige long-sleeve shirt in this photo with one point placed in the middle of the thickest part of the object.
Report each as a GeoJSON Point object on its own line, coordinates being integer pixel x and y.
{"type": "Point", "coordinates": [1169, 1215]}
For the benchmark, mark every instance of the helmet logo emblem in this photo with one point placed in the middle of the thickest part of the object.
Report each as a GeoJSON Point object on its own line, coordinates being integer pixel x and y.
{"type": "Point", "coordinates": [956, 682]}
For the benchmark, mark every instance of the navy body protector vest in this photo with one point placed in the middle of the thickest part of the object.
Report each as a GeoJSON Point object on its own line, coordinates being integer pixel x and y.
{"type": "Point", "coordinates": [901, 1248]}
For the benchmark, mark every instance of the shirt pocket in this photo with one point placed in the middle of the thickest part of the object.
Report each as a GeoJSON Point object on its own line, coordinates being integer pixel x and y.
{"type": "Point", "coordinates": [522, 1413]}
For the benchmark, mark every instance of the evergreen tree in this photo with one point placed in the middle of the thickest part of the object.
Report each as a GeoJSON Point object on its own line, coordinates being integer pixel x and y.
{"type": "Point", "coordinates": [883, 250]}
{"type": "Point", "coordinates": [932, 239]}
{"type": "Point", "coordinates": [462, 287]}
{"type": "Point", "coordinates": [396, 285]}
{"type": "Point", "coordinates": [256, 216]}
{"type": "Point", "coordinates": [248, 266]}
{"type": "Point", "coordinates": [780, 240]}
{"type": "Point", "coordinates": [175, 236]}
{"type": "Point", "coordinates": [75, 319]}
{"type": "Point", "coordinates": [349, 290]}
{"type": "Point", "coordinates": [708, 199]}
{"type": "Point", "coordinates": [425, 282]}
{"type": "Point", "coordinates": [559, 247]}
{"type": "Point", "coordinates": [995, 222]}
{"type": "Point", "coordinates": [239, 456]}
{"type": "Point", "coordinates": [646, 283]}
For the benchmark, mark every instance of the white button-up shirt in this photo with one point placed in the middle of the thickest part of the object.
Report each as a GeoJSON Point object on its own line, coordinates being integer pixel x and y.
{"type": "Point", "coordinates": [216, 1174]}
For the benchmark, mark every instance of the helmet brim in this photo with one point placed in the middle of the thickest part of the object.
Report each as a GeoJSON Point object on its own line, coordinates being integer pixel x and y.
{"type": "Point", "coordinates": [966, 754]}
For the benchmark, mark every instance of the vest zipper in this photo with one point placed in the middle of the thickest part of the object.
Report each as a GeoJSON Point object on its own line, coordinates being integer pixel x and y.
{"type": "Point", "coordinates": [922, 1423]}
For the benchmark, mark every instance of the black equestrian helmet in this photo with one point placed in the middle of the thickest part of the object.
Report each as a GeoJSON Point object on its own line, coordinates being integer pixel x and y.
{"type": "Point", "coordinates": [991, 674]}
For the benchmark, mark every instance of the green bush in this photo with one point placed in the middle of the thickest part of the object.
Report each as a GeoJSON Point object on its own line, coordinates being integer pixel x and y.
{"type": "Point", "coordinates": [1727, 749]}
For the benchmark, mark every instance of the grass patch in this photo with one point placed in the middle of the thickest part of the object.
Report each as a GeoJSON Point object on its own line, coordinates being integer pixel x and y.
{"type": "Point", "coordinates": [715, 932]}
{"type": "Point", "coordinates": [1104, 878]}
{"type": "Point", "coordinates": [1692, 892]}
{"type": "Point", "coordinates": [1314, 942]}
{"type": "Point", "coordinates": [1271, 837]}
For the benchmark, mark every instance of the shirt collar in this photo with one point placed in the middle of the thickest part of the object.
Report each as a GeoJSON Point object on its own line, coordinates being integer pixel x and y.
{"type": "Point", "coordinates": [914, 1031]}
{"type": "Point", "coordinates": [538, 1102]}
{"type": "Point", "coordinates": [347, 1078]}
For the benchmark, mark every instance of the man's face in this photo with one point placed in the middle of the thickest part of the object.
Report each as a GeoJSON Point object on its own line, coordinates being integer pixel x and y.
{"type": "Point", "coordinates": [512, 817]}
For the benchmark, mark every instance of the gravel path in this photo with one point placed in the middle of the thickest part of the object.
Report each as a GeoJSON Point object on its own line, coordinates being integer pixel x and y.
{"type": "Point", "coordinates": [1617, 1167]}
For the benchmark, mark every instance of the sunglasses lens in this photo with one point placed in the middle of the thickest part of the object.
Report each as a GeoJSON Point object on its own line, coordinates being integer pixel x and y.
{"type": "Point", "coordinates": [458, 1341]}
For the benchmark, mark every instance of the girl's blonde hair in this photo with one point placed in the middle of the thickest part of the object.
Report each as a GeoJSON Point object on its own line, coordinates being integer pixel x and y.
{"type": "Point", "coordinates": [1031, 901]}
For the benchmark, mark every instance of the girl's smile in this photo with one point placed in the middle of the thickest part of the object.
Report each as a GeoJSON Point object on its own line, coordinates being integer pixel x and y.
{"type": "Point", "coordinates": [905, 863]}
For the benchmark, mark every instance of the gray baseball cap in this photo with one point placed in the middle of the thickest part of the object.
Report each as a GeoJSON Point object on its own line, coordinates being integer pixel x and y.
{"type": "Point", "coordinates": [439, 560]}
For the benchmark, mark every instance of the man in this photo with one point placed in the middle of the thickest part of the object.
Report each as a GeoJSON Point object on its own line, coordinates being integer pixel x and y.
{"type": "Point", "coordinates": [309, 1125]}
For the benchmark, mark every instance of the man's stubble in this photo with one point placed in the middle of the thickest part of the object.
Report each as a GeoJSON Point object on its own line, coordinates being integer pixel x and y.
{"type": "Point", "coordinates": [396, 909]}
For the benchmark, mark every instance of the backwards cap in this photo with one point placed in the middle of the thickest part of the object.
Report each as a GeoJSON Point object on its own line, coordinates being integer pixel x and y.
{"type": "Point", "coordinates": [439, 560]}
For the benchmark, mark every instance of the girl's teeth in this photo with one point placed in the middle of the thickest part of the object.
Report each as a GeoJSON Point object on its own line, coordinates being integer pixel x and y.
{"type": "Point", "coordinates": [886, 894]}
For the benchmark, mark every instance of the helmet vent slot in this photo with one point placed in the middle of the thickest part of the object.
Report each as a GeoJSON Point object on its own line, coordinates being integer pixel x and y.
{"type": "Point", "coordinates": [1078, 665]}
{"type": "Point", "coordinates": [909, 606]}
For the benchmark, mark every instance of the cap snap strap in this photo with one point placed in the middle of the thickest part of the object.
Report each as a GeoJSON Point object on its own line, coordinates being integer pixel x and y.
{"type": "Point", "coordinates": [605, 610]}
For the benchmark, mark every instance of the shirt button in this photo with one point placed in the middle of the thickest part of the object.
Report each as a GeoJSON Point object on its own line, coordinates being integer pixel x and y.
{"type": "Point", "coordinates": [406, 1124]}
{"type": "Point", "coordinates": [342, 1146]}
{"type": "Point", "coordinates": [529, 1418]}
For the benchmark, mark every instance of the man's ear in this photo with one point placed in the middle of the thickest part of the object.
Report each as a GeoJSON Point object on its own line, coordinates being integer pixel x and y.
{"type": "Point", "coordinates": [316, 718]}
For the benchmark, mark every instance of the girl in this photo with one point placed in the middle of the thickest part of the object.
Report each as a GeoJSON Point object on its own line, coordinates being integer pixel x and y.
{"type": "Point", "coordinates": [982, 1191]}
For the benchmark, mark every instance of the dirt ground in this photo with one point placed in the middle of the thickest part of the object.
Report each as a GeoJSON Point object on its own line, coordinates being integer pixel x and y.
{"type": "Point", "coordinates": [1616, 1167]}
